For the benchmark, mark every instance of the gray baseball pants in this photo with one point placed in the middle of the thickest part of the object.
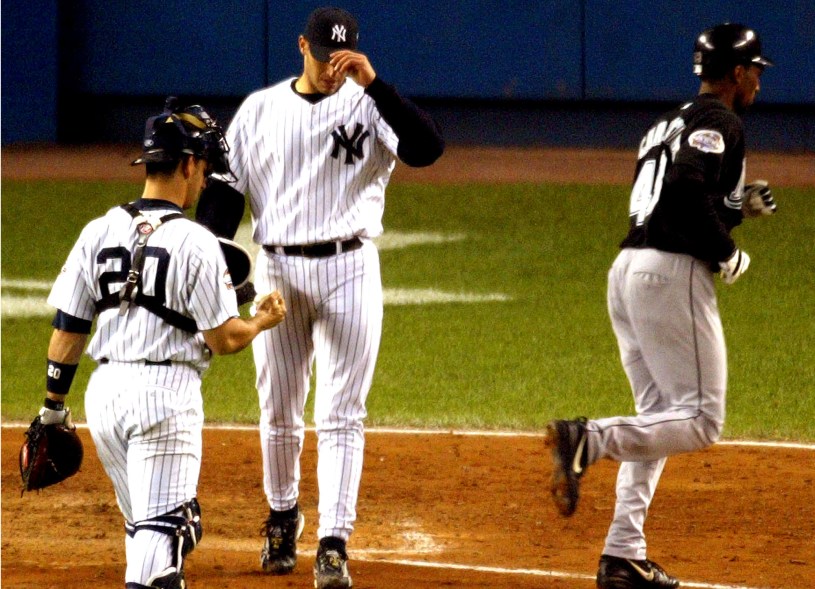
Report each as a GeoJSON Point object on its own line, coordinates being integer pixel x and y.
{"type": "Point", "coordinates": [664, 313]}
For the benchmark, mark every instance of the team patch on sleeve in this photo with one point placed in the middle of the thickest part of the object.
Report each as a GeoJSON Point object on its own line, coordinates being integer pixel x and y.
{"type": "Point", "coordinates": [707, 140]}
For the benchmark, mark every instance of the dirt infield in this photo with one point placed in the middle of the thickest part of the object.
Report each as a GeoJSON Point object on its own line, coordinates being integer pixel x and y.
{"type": "Point", "coordinates": [728, 515]}
{"type": "Point", "coordinates": [458, 164]}
{"type": "Point", "coordinates": [443, 510]}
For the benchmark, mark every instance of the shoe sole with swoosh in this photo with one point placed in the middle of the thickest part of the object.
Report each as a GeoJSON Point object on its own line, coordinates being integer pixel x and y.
{"type": "Point", "coordinates": [567, 467]}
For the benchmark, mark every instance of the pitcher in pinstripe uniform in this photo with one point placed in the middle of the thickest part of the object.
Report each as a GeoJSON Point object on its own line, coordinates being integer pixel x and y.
{"type": "Point", "coordinates": [315, 153]}
{"type": "Point", "coordinates": [165, 301]}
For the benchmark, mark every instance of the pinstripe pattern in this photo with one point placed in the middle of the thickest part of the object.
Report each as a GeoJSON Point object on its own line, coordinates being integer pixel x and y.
{"type": "Point", "coordinates": [315, 172]}
{"type": "Point", "coordinates": [193, 288]}
{"type": "Point", "coordinates": [146, 424]}
{"type": "Point", "coordinates": [146, 553]}
{"type": "Point", "coordinates": [146, 420]}
{"type": "Point", "coordinates": [281, 148]}
{"type": "Point", "coordinates": [335, 318]}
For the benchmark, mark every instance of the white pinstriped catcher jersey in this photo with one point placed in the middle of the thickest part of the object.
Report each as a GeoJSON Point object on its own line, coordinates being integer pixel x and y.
{"type": "Point", "coordinates": [314, 172]}
{"type": "Point", "coordinates": [183, 261]}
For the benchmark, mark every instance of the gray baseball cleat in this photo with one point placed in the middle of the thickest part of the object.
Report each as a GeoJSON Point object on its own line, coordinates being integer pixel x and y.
{"type": "Point", "coordinates": [331, 565]}
{"type": "Point", "coordinates": [567, 439]}
{"type": "Point", "coordinates": [282, 530]}
{"type": "Point", "coordinates": [625, 573]}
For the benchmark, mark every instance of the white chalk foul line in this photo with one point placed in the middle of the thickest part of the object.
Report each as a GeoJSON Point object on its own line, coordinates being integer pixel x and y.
{"type": "Point", "coordinates": [529, 572]}
{"type": "Point", "coordinates": [514, 434]}
{"type": "Point", "coordinates": [27, 284]}
{"type": "Point", "coordinates": [34, 306]}
{"type": "Point", "coordinates": [394, 240]}
{"type": "Point", "coordinates": [390, 240]}
{"type": "Point", "coordinates": [477, 433]}
{"type": "Point", "coordinates": [25, 306]}
{"type": "Point", "coordinates": [423, 544]}
{"type": "Point", "coordinates": [427, 545]}
{"type": "Point", "coordinates": [454, 432]}
{"type": "Point", "coordinates": [427, 296]}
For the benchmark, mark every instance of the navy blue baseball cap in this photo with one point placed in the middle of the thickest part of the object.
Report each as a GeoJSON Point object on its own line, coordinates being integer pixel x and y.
{"type": "Point", "coordinates": [329, 29]}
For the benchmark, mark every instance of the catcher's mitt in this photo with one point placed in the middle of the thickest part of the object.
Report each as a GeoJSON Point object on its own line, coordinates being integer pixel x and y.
{"type": "Point", "coordinates": [49, 455]}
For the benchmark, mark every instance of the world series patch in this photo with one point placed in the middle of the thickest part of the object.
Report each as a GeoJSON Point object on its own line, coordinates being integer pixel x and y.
{"type": "Point", "coordinates": [707, 140]}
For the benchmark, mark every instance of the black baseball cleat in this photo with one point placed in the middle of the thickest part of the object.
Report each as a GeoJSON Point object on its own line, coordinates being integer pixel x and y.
{"type": "Point", "coordinates": [282, 530]}
{"type": "Point", "coordinates": [567, 439]}
{"type": "Point", "coordinates": [331, 565]}
{"type": "Point", "coordinates": [625, 573]}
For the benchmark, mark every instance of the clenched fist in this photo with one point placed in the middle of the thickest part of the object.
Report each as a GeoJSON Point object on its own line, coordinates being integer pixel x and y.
{"type": "Point", "coordinates": [271, 307]}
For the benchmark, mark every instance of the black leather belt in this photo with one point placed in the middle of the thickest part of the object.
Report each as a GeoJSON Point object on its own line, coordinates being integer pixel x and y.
{"type": "Point", "coordinates": [316, 250]}
{"type": "Point", "coordinates": [145, 362]}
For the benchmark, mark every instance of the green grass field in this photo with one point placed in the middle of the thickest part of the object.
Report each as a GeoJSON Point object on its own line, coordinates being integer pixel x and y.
{"type": "Point", "coordinates": [545, 349]}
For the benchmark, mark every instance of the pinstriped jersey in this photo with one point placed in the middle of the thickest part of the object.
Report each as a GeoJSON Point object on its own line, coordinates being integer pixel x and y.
{"type": "Point", "coordinates": [184, 268]}
{"type": "Point", "coordinates": [313, 172]}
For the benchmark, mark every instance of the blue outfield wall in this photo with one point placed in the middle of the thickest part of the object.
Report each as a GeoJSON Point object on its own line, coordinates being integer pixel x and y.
{"type": "Point", "coordinates": [642, 50]}
{"type": "Point", "coordinates": [92, 70]}
{"type": "Point", "coordinates": [29, 70]}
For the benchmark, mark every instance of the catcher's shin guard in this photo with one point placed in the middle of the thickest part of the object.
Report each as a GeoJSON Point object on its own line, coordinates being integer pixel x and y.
{"type": "Point", "coordinates": [184, 526]}
{"type": "Point", "coordinates": [169, 578]}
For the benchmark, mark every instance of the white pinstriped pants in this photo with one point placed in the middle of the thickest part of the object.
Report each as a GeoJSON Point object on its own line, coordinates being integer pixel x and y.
{"type": "Point", "coordinates": [664, 313]}
{"type": "Point", "coordinates": [146, 423]}
{"type": "Point", "coordinates": [334, 319]}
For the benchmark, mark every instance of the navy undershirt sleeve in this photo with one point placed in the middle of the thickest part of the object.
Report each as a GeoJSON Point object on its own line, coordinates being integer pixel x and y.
{"type": "Point", "coordinates": [420, 139]}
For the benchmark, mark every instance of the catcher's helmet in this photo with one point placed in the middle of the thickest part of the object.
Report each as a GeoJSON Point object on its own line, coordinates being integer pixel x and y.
{"type": "Point", "coordinates": [184, 130]}
{"type": "Point", "coordinates": [725, 46]}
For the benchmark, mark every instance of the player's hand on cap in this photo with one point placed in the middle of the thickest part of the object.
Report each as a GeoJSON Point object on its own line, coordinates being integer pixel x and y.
{"type": "Point", "coordinates": [758, 199]}
{"type": "Point", "coordinates": [271, 308]}
{"type": "Point", "coordinates": [734, 266]}
{"type": "Point", "coordinates": [355, 65]}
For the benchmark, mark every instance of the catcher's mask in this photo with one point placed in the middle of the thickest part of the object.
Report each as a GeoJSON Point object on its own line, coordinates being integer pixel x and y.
{"type": "Point", "coordinates": [719, 49]}
{"type": "Point", "coordinates": [185, 130]}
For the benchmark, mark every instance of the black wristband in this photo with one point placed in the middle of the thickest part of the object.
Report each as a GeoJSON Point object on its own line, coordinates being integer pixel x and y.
{"type": "Point", "coordinates": [49, 403]}
{"type": "Point", "coordinates": [59, 377]}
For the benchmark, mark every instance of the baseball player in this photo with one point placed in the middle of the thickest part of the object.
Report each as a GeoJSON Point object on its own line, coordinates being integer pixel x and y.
{"type": "Point", "coordinates": [315, 153]}
{"type": "Point", "coordinates": [688, 195]}
{"type": "Point", "coordinates": [165, 301]}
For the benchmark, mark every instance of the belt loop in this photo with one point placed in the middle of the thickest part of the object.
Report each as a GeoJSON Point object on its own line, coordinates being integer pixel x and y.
{"type": "Point", "coordinates": [279, 250]}
{"type": "Point", "coordinates": [338, 246]}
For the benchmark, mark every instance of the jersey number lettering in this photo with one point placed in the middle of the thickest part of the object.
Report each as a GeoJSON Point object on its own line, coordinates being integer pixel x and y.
{"type": "Point", "coordinates": [647, 188]}
{"type": "Point", "coordinates": [118, 277]}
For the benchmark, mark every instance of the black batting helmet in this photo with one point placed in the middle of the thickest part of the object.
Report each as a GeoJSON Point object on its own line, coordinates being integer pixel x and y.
{"type": "Point", "coordinates": [725, 46]}
{"type": "Point", "coordinates": [184, 130]}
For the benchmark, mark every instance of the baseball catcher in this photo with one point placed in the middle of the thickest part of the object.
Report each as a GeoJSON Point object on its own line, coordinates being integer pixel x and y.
{"type": "Point", "coordinates": [156, 332]}
{"type": "Point", "coordinates": [52, 451]}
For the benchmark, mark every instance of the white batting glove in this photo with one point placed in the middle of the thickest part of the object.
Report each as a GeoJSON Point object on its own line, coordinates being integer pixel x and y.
{"type": "Point", "coordinates": [758, 199]}
{"type": "Point", "coordinates": [734, 266]}
{"type": "Point", "coordinates": [54, 417]}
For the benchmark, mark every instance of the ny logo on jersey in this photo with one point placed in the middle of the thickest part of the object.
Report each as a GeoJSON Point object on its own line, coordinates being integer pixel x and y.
{"type": "Point", "coordinates": [353, 145]}
{"type": "Point", "coordinates": [338, 33]}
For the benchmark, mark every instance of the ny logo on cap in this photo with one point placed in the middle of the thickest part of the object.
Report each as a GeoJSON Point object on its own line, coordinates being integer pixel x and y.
{"type": "Point", "coordinates": [338, 33]}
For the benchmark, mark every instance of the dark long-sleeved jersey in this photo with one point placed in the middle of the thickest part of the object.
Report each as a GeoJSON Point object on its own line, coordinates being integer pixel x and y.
{"type": "Point", "coordinates": [689, 181]}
